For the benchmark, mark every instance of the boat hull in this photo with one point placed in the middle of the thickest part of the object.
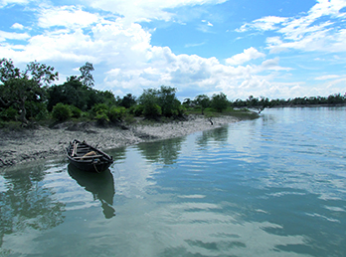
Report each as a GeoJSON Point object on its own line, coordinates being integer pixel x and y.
{"type": "Point", "coordinates": [97, 162]}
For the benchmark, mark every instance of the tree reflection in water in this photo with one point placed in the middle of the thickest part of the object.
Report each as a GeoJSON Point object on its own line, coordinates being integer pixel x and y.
{"type": "Point", "coordinates": [219, 135]}
{"type": "Point", "coordinates": [101, 185]}
{"type": "Point", "coordinates": [27, 203]}
{"type": "Point", "coordinates": [165, 151]}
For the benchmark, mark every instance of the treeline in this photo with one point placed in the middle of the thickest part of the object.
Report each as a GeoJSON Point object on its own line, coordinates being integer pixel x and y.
{"type": "Point", "coordinates": [29, 95]}
{"type": "Point", "coordinates": [251, 102]}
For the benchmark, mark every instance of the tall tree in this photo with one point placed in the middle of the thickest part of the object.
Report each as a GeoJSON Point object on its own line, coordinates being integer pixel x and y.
{"type": "Point", "coordinates": [203, 101]}
{"type": "Point", "coordinates": [86, 78]}
{"type": "Point", "coordinates": [167, 100]}
{"type": "Point", "coordinates": [28, 85]}
{"type": "Point", "coordinates": [128, 101]}
{"type": "Point", "coordinates": [219, 102]}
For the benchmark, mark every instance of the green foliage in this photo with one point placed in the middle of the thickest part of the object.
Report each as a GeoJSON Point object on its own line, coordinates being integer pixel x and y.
{"type": "Point", "coordinates": [8, 114]}
{"type": "Point", "coordinates": [106, 97]}
{"type": "Point", "coordinates": [36, 110]}
{"type": "Point", "coordinates": [149, 101]}
{"type": "Point", "coordinates": [75, 112]}
{"type": "Point", "coordinates": [21, 87]}
{"type": "Point", "coordinates": [73, 92]}
{"type": "Point", "coordinates": [116, 113]}
{"type": "Point", "coordinates": [61, 112]}
{"type": "Point", "coordinates": [128, 101]}
{"type": "Point", "coordinates": [102, 118]}
{"type": "Point", "coordinates": [167, 101]}
{"type": "Point", "coordinates": [86, 78]}
{"type": "Point", "coordinates": [100, 108]}
{"type": "Point", "coordinates": [219, 102]}
{"type": "Point", "coordinates": [202, 101]}
{"type": "Point", "coordinates": [187, 103]}
{"type": "Point", "coordinates": [152, 110]}
{"type": "Point", "coordinates": [137, 110]}
{"type": "Point", "coordinates": [160, 102]}
{"type": "Point", "coordinates": [262, 103]}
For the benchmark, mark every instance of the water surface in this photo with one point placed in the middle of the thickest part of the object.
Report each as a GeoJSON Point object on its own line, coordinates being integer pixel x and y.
{"type": "Point", "coordinates": [275, 186]}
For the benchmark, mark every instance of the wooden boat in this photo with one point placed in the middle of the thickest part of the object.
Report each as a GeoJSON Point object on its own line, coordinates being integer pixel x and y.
{"type": "Point", "coordinates": [87, 158]}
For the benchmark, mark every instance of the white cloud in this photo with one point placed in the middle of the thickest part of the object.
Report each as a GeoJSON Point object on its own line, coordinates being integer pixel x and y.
{"type": "Point", "coordinates": [7, 2]}
{"type": "Point", "coordinates": [307, 32]}
{"type": "Point", "coordinates": [273, 64]}
{"type": "Point", "coordinates": [66, 16]}
{"type": "Point", "coordinates": [247, 55]}
{"type": "Point", "coordinates": [327, 77]}
{"type": "Point", "coordinates": [13, 36]}
{"type": "Point", "coordinates": [138, 10]}
{"type": "Point", "coordinates": [266, 23]}
{"type": "Point", "coordinates": [126, 62]}
{"type": "Point", "coordinates": [17, 26]}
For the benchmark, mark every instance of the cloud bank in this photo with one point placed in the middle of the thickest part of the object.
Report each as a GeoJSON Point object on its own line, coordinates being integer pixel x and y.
{"type": "Point", "coordinates": [112, 38]}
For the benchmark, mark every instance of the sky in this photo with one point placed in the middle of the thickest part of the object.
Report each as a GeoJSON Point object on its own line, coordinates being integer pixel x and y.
{"type": "Point", "coordinates": [264, 48]}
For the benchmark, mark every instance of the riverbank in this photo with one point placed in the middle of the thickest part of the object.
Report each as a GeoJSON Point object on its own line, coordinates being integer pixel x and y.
{"type": "Point", "coordinates": [43, 142]}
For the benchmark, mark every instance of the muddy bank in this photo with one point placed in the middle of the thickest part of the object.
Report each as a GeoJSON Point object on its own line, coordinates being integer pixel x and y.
{"type": "Point", "coordinates": [44, 142]}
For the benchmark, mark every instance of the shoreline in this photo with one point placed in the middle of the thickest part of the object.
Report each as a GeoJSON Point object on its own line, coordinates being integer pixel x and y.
{"type": "Point", "coordinates": [43, 142]}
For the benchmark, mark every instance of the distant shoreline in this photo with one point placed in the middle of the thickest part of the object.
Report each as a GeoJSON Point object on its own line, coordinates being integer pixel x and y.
{"type": "Point", "coordinates": [43, 142]}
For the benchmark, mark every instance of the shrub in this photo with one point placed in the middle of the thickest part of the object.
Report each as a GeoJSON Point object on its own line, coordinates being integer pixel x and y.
{"type": "Point", "coordinates": [138, 110]}
{"type": "Point", "coordinates": [116, 113]}
{"type": "Point", "coordinates": [8, 114]}
{"type": "Point", "coordinates": [61, 112]}
{"type": "Point", "coordinates": [102, 118]}
{"type": "Point", "coordinates": [76, 112]}
{"type": "Point", "coordinates": [152, 111]}
{"type": "Point", "coordinates": [100, 108]}
{"type": "Point", "coordinates": [219, 102]}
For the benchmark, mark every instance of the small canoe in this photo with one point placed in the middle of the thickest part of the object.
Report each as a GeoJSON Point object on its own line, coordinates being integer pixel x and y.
{"type": "Point", "coordinates": [88, 158]}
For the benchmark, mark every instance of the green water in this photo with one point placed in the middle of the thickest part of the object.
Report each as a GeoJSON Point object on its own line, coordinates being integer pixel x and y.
{"type": "Point", "coordinates": [275, 186]}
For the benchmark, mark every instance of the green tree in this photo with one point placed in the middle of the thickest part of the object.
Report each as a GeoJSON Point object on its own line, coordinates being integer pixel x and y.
{"type": "Point", "coordinates": [187, 103]}
{"type": "Point", "coordinates": [219, 102]}
{"type": "Point", "coordinates": [29, 85]}
{"type": "Point", "coordinates": [128, 101]}
{"type": "Point", "coordinates": [167, 101]}
{"type": "Point", "coordinates": [73, 92]}
{"type": "Point", "coordinates": [61, 112]}
{"type": "Point", "coordinates": [86, 77]}
{"type": "Point", "coordinates": [202, 101]}
{"type": "Point", "coordinates": [149, 100]}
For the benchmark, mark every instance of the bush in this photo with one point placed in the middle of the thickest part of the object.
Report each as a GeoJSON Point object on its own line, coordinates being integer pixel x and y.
{"type": "Point", "coordinates": [61, 112]}
{"type": "Point", "coordinates": [76, 112]}
{"type": "Point", "coordinates": [100, 108]}
{"type": "Point", "coordinates": [152, 111]}
{"type": "Point", "coordinates": [181, 110]}
{"type": "Point", "coordinates": [102, 118]}
{"type": "Point", "coordinates": [8, 114]}
{"type": "Point", "coordinates": [116, 113]}
{"type": "Point", "coordinates": [137, 110]}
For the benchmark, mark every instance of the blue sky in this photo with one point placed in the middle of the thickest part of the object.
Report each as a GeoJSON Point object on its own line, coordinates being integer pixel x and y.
{"type": "Point", "coordinates": [270, 48]}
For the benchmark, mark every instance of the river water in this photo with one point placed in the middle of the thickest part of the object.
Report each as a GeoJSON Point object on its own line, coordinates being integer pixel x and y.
{"type": "Point", "coordinates": [274, 186]}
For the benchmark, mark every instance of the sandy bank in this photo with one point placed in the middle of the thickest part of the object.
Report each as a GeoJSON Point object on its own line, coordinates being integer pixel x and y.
{"type": "Point", "coordinates": [41, 143]}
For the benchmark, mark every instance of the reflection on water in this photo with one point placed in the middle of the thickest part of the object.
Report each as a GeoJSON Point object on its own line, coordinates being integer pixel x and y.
{"type": "Point", "coordinates": [101, 185]}
{"type": "Point", "coordinates": [26, 204]}
{"type": "Point", "coordinates": [218, 135]}
{"type": "Point", "coordinates": [165, 151]}
{"type": "Point", "coordinates": [274, 186]}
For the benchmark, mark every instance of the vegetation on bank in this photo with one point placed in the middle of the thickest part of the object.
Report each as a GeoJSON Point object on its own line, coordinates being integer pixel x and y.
{"type": "Point", "coordinates": [30, 95]}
